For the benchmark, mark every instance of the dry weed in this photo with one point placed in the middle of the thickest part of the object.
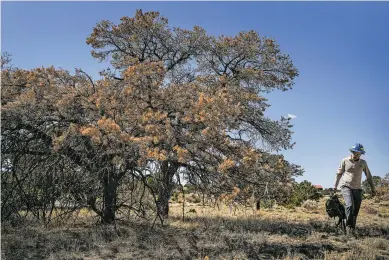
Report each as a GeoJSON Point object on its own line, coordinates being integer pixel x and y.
{"type": "Point", "coordinates": [207, 232]}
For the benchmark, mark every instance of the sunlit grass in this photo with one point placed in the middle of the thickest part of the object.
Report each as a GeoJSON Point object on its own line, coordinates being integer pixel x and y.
{"type": "Point", "coordinates": [206, 233]}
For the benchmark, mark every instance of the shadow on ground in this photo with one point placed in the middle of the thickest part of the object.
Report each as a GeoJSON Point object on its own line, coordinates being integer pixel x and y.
{"type": "Point", "coordinates": [250, 238]}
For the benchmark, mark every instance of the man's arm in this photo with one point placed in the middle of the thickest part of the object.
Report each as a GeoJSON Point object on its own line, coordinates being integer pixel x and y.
{"type": "Point", "coordinates": [339, 174]}
{"type": "Point", "coordinates": [369, 178]}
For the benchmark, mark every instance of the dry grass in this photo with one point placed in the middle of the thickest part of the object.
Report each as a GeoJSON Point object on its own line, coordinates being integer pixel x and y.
{"type": "Point", "coordinates": [208, 233]}
{"type": "Point", "coordinates": [310, 205]}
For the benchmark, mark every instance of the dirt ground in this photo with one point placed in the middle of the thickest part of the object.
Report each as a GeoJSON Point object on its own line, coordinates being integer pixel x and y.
{"type": "Point", "coordinates": [208, 233]}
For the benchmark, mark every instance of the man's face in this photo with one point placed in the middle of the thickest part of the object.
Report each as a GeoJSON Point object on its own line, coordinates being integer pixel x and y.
{"type": "Point", "coordinates": [355, 155]}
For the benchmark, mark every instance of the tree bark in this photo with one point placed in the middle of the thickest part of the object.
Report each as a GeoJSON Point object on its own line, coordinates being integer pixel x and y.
{"type": "Point", "coordinates": [109, 195]}
{"type": "Point", "coordinates": [258, 204]}
{"type": "Point", "coordinates": [168, 170]}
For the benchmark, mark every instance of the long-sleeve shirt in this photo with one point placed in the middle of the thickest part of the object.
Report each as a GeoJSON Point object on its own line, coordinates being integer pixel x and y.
{"type": "Point", "coordinates": [350, 173]}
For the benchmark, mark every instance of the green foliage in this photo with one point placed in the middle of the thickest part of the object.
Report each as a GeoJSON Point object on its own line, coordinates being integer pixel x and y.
{"type": "Point", "coordinates": [303, 191]}
{"type": "Point", "coordinates": [267, 204]}
{"type": "Point", "coordinates": [189, 188]}
{"type": "Point", "coordinates": [385, 180]}
{"type": "Point", "coordinates": [378, 182]}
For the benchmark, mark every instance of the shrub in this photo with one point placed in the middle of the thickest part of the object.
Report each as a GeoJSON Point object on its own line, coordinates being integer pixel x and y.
{"type": "Point", "coordinates": [193, 198]}
{"type": "Point", "coordinates": [303, 191]}
{"type": "Point", "coordinates": [310, 204]}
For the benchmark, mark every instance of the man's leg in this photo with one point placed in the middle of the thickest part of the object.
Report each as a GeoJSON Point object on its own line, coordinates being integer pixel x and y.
{"type": "Point", "coordinates": [357, 197]}
{"type": "Point", "coordinates": [348, 199]}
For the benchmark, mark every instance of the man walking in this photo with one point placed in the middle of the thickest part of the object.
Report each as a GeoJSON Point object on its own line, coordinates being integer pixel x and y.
{"type": "Point", "coordinates": [349, 178]}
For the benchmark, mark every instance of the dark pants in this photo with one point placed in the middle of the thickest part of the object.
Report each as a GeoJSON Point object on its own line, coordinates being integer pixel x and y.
{"type": "Point", "coordinates": [353, 199]}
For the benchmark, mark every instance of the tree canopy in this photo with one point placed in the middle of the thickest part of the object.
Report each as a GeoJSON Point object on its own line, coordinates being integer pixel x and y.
{"type": "Point", "coordinates": [186, 102]}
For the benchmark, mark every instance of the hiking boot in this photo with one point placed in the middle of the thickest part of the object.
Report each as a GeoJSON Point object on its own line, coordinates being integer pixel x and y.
{"type": "Point", "coordinates": [350, 231]}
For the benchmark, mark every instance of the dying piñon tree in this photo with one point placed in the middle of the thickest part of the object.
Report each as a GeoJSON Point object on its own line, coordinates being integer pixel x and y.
{"type": "Point", "coordinates": [190, 104]}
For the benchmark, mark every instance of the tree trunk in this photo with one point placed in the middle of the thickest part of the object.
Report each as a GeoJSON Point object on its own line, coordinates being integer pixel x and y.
{"type": "Point", "coordinates": [168, 169]}
{"type": "Point", "coordinates": [258, 205]}
{"type": "Point", "coordinates": [109, 195]}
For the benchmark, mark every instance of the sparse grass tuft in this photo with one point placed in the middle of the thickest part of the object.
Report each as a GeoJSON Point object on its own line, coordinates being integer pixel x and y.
{"type": "Point", "coordinates": [370, 210]}
{"type": "Point", "coordinates": [310, 205]}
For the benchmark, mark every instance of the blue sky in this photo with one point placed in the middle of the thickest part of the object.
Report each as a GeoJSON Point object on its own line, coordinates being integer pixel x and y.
{"type": "Point", "coordinates": [340, 48]}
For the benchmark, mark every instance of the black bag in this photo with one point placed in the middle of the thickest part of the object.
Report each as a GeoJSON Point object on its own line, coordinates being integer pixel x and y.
{"type": "Point", "coordinates": [335, 209]}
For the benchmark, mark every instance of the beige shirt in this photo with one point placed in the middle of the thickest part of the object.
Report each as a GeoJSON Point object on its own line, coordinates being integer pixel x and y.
{"type": "Point", "coordinates": [350, 172]}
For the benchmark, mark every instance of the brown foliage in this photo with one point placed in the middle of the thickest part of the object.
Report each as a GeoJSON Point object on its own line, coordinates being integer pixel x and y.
{"type": "Point", "coordinates": [184, 100]}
